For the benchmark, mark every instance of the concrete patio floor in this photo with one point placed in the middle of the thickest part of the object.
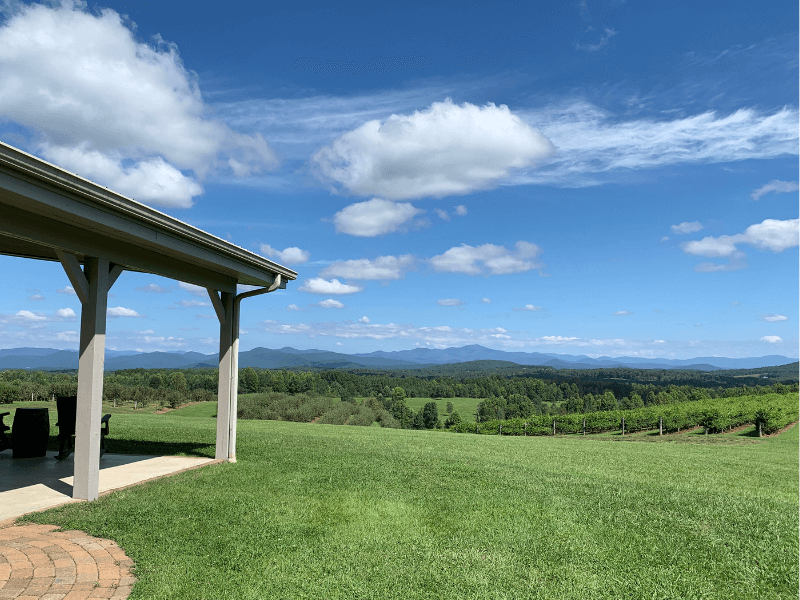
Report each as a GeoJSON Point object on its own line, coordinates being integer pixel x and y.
{"type": "Point", "coordinates": [31, 484]}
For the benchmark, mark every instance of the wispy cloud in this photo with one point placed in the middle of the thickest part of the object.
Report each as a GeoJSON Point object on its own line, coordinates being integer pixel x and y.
{"type": "Point", "coordinates": [686, 227]}
{"type": "Point", "coordinates": [622, 313]}
{"type": "Point", "coordinates": [774, 318]}
{"type": "Point", "coordinates": [594, 146]}
{"type": "Point", "coordinates": [775, 187]}
{"type": "Point", "coordinates": [153, 288]}
{"type": "Point", "coordinates": [527, 307]}
{"type": "Point", "coordinates": [450, 302]}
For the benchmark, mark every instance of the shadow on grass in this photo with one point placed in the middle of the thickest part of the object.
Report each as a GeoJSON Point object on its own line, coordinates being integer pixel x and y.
{"type": "Point", "coordinates": [160, 448]}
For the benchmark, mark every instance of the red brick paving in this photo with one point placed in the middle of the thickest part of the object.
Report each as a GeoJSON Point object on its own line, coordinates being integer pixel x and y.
{"type": "Point", "coordinates": [37, 562]}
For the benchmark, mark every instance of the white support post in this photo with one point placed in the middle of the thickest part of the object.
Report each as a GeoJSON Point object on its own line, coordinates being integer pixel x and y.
{"type": "Point", "coordinates": [225, 312]}
{"type": "Point", "coordinates": [86, 482]}
{"type": "Point", "coordinates": [234, 381]}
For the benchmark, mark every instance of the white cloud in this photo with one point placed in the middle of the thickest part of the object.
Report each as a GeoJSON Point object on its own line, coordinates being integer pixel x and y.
{"type": "Point", "coordinates": [383, 267]}
{"type": "Point", "coordinates": [36, 298]}
{"type": "Point", "coordinates": [460, 210]}
{"type": "Point", "coordinates": [67, 290]}
{"type": "Point", "coordinates": [194, 290]}
{"type": "Point", "coordinates": [774, 318]}
{"type": "Point", "coordinates": [191, 303]}
{"type": "Point", "coordinates": [770, 234]}
{"type": "Point", "coordinates": [289, 256]}
{"type": "Point", "coordinates": [622, 313]}
{"type": "Point", "coordinates": [68, 336]}
{"type": "Point", "coordinates": [114, 109]}
{"type": "Point", "coordinates": [443, 150]}
{"type": "Point", "coordinates": [293, 307]}
{"type": "Point", "coordinates": [317, 285]}
{"type": "Point", "coordinates": [375, 217]}
{"type": "Point", "coordinates": [496, 260]}
{"type": "Point", "coordinates": [330, 303]}
{"type": "Point", "coordinates": [686, 227]}
{"type": "Point", "coordinates": [147, 332]}
{"type": "Point", "coordinates": [529, 307]}
{"type": "Point", "coordinates": [26, 315]}
{"type": "Point", "coordinates": [121, 311]}
{"type": "Point", "coordinates": [594, 144]}
{"type": "Point", "coordinates": [775, 187]}
{"type": "Point", "coordinates": [66, 313]}
{"type": "Point", "coordinates": [607, 35]}
{"type": "Point", "coordinates": [449, 302]}
{"type": "Point", "coordinates": [443, 214]}
{"type": "Point", "coordinates": [364, 320]}
{"type": "Point", "coordinates": [152, 288]}
{"type": "Point", "coordinates": [486, 301]}
{"type": "Point", "coordinates": [151, 180]}
{"type": "Point", "coordinates": [772, 339]}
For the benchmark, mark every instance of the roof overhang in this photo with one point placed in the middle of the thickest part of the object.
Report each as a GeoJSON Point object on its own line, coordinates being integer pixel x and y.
{"type": "Point", "coordinates": [43, 207]}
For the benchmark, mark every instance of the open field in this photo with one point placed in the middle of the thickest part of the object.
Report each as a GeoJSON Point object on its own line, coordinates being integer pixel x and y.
{"type": "Point", "coordinates": [466, 407]}
{"type": "Point", "coordinates": [318, 511]}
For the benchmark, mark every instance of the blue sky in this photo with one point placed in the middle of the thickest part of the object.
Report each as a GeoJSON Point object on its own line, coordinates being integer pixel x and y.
{"type": "Point", "coordinates": [601, 178]}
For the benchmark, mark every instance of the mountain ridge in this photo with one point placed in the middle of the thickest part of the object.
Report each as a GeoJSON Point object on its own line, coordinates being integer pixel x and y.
{"type": "Point", "coordinates": [288, 358]}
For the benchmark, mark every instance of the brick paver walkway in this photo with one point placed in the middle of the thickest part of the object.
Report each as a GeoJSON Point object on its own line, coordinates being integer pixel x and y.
{"type": "Point", "coordinates": [37, 562]}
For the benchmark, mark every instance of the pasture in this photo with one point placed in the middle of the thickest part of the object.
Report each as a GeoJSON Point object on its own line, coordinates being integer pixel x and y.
{"type": "Point", "coordinates": [319, 511]}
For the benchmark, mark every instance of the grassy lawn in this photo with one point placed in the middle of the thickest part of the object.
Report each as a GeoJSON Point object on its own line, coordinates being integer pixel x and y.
{"type": "Point", "coordinates": [318, 511]}
{"type": "Point", "coordinates": [466, 407]}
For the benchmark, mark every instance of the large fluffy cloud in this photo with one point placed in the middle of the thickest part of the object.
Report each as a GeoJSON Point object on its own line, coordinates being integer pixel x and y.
{"type": "Point", "coordinates": [488, 259]}
{"type": "Point", "coordinates": [124, 113]}
{"type": "Point", "coordinates": [374, 217]}
{"type": "Point", "coordinates": [383, 267]}
{"type": "Point", "coordinates": [443, 150]}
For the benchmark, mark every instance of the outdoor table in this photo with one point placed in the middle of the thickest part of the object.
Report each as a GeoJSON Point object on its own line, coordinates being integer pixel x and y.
{"type": "Point", "coordinates": [30, 432]}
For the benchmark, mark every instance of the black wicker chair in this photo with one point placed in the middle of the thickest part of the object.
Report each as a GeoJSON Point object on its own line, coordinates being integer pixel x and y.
{"type": "Point", "coordinates": [67, 407]}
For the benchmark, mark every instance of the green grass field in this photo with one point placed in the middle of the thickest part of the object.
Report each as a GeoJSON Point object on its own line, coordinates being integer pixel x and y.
{"type": "Point", "coordinates": [319, 511]}
{"type": "Point", "coordinates": [466, 407]}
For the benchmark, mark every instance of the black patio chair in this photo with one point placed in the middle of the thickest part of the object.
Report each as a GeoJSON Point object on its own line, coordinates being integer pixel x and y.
{"type": "Point", "coordinates": [67, 407]}
{"type": "Point", "coordinates": [4, 441]}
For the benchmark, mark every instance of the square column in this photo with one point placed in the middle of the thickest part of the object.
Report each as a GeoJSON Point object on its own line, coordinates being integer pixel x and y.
{"type": "Point", "coordinates": [223, 305]}
{"type": "Point", "coordinates": [90, 380]}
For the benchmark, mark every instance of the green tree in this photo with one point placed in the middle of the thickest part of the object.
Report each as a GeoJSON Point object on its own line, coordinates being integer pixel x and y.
{"type": "Point", "coordinates": [176, 381]}
{"type": "Point", "coordinates": [430, 415]}
{"type": "Point", "coordinates": [249, 380]}
{"type": "Point", "coordinates": [155, 381]}
{"type": "Point", "coordinates": [453, 419]}
{"type": "Point", "coordinates": [607, 401]}
{"type": "Point", "coordinates": [449, 408]}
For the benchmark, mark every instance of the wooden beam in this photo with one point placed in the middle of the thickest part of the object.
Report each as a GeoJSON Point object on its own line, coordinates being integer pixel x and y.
{"type": "Point", "coordinates": [76, 275]}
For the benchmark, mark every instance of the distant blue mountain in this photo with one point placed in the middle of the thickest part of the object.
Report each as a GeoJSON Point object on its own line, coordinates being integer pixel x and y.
{"type": "Point", "coordinates": [288, 358]}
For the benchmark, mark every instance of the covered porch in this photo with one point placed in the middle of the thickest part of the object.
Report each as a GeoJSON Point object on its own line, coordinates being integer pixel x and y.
{"type": "Point", "coordinates": [47, 213]}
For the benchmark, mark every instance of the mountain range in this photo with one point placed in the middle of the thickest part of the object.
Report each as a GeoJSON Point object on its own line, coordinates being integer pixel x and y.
{"type": "Point", "coordinates": [290, 358]}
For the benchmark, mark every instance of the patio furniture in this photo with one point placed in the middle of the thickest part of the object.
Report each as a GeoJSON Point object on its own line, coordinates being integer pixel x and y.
{"type": "Point", "coordinates": [30, 432]}
{"type": "Point", "coordinates": [4, 441]}
{"type": "Point", "coordinates": [67, 407]}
